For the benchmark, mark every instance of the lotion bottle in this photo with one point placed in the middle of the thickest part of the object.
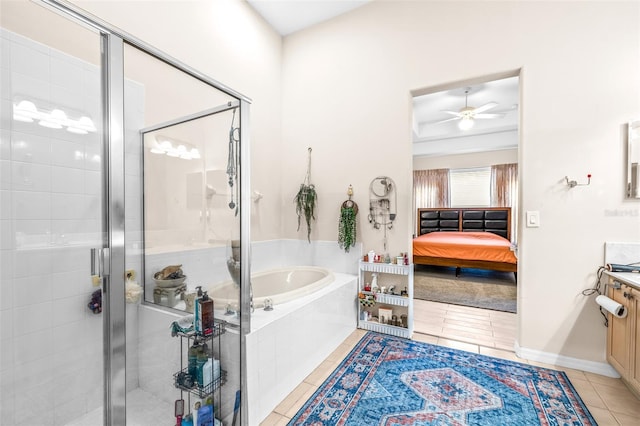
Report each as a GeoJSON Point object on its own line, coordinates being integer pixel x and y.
{"type": "Point", "coordinates": [196, 310]}
{"type": "Point", "coordinates": [206, 314]}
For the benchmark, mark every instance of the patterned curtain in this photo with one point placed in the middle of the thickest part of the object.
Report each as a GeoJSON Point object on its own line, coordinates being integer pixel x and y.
{"type": "Point", "coordinates": [504, 191]}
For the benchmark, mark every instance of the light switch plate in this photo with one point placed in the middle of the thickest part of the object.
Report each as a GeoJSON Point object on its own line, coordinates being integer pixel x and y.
{"type": "Point", "coordinates": [533, 219]}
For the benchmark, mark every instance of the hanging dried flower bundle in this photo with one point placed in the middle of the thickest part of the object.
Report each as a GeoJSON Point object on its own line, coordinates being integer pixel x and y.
{"type": "Point", "coordinates": [305, 200]}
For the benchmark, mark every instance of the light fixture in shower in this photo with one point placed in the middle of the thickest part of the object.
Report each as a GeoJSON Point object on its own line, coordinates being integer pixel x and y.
{"type": "Point", "coordinates": [173, 148]}
{"type": "Point", "coordinates": [26, 111]}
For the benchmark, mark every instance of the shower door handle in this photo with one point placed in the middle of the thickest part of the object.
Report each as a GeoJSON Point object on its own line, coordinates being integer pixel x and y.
{"type": "Point", "coordinates": [98, 264]}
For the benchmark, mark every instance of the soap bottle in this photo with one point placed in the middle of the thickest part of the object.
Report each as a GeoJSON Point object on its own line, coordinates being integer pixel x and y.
{"type": "Point", "coordinates": [200, 362]}
{"type": "Point", "coordinates": [205, 311]}
{"type": "Point", "coordinates": [196, 310]}
{"type": "Point", "coordinates": [193, 359]}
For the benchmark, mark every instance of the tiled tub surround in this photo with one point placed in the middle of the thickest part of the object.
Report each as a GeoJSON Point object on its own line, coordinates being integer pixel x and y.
{"type": "Point", "coordinates": [206, 264]}
{"type": "Point", "coordinates": [284, 345]}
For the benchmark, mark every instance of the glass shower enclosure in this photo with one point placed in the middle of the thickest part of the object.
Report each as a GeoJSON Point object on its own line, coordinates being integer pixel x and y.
{"type": "Point", "coordinates": [91, 203]}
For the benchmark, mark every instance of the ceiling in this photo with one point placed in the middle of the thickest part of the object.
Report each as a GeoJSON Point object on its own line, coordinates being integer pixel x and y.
{"type": "Point", "coordinates": [433, 137]}
{"type": "Point", "coordinates": [430, 138]}
{"type": "Point", "coordinates": [289, 16]}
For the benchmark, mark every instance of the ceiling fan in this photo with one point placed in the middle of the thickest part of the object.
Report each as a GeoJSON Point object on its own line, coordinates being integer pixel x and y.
{"type": "Point", "coordinates": [468, 114]}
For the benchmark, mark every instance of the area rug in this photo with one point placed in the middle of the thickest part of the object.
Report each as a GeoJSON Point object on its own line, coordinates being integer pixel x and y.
{"type": "Point", "coordinates": [392, 381]}
{"type": "Point", "coordinates": [473, 287]}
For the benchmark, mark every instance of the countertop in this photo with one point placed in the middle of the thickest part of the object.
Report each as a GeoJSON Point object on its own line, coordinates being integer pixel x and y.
{"type": "Point", "coordinates": [631, 278]}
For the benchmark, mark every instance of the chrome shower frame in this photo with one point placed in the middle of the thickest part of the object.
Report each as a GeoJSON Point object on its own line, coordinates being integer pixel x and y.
{"type": "Point", "coordinates": [114, 321]}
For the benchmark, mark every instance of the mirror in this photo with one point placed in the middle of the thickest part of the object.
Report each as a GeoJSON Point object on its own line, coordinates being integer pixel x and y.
{"type": "Point", "coordinates": [633, 159]}
{"type": "Point", "coordinates": [191, 205]}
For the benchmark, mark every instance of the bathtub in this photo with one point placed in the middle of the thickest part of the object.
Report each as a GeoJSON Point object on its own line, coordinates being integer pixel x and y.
{"type": "Point", "coordinates": [305, 326]}
{"type": "Point", "coordinates": [279, 285]}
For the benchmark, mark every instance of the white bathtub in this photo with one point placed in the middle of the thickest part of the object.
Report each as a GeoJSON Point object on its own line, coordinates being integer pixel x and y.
{"type": "Point", "coordinates": [279, 285]}
{"type": "Point", "coordinates": [287, 343]}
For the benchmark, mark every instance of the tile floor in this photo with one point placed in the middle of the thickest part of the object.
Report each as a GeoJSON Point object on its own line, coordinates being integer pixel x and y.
{"type": "Point", "coordinates": [482, 331]}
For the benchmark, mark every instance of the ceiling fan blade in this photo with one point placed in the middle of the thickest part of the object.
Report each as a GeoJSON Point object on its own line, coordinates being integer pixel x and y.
{"type": "Point", "coordinates": [485, 107]}
{"type": "Point", "coordinates": [456, 113]}
{"type": "Point", "coordinates": [488, 115]}
{"type": "Point", "coordinates": [444, 121]}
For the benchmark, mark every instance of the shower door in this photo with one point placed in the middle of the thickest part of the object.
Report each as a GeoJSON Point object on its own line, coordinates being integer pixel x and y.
{"type": "Point", "coordinates": [51, 215]}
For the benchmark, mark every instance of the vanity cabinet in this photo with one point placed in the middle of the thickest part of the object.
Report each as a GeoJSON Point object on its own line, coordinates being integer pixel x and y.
{"type": "Point", "coordinates": [382, 311]}
{"type": "Point", "coordinates": [623, 334]}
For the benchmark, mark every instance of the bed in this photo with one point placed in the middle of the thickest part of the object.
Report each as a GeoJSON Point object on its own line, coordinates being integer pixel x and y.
{"type": "Point", "coordinates": [465, 238]}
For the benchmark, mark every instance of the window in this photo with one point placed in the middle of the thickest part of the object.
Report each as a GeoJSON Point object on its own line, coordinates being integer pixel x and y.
{"type": "Point", "coordinates": [470, 187]}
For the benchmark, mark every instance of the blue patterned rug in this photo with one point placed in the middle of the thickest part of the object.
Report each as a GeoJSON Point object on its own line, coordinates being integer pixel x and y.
{"type": "Point", "coordinates": [391, 381]}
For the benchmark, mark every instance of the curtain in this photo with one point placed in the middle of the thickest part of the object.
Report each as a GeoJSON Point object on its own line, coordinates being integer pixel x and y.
{"type": "Point", "coordinates": [431, 188]}
{"type": "Point", "coordinates": [504, 191]}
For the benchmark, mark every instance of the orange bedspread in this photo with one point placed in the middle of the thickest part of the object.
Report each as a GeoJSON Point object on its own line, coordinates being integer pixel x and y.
{"type": "Point", "coordinates": [465, 245]}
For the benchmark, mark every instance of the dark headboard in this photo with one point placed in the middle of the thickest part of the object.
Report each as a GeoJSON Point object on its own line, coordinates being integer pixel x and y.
{"type": "Point", "coordinates": [487, 219]}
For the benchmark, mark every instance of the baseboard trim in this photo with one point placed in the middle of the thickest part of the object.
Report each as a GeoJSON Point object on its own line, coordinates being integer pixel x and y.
{"type": "Point", "coordinates": [601, 368]}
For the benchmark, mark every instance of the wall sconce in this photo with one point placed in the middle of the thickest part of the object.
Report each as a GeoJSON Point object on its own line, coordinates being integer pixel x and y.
{"type": "Point", "coordinates": [573, 183]}
{"type": "Point", "coordinates": [173, 148]}
{"type": "Point", "coordinates": [27, 112]}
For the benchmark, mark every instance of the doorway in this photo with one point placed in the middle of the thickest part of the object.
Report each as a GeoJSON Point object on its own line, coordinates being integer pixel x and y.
{"type": "Point", "coordinates": [462, 133]}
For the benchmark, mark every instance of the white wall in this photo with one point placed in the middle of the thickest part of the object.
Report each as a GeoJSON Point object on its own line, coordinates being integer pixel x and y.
{"type": "Point", "coordinates": [228, 41]}
{"type": "Point", "coordinates": [347, 90]}
{"type": "Point", "coordinates": [463, 161]}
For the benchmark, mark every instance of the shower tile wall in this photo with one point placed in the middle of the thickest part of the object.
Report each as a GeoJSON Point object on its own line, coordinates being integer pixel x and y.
{"type": "Point", "coordinates": [50, 215]}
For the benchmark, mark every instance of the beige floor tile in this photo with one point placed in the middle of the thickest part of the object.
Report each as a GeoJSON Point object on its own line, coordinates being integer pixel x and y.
{"type": "Point", "coordinates": [340, 352]}
{"type": "Point", "coordinates": [500, 353]}
{"type": "Point", "coordinates": [503, 335]}
{"type": "Point", "coordinates": [476, 328]}
{"type": "Point", "coordinates": [475, 312]}
{"type": "Point", "coordinates": [626, 420]}
{"type": "Point", "coordinates": [426, 338]}
{"type": "Point", "coordinates": [319, 375]}
{"type": "Point", "coordinates": [293, 399]}
{"type": "Point", "coordinates": [427, 329]}
{"type": "Point", "coordinates": [603, 417]}
{"type": "Point", "coordinates": [573, 374]}
{"type": "Point", "coordinates": [619, 400]}
{"type": "Point", "coordinates": [604, 380]}
{"type": "Point", "coordinates": [455, 344]}
{"type": "Point", "coordinates": [503, 315]}
{"type": "Point", "coordinates": [504, 325]}
{"type": "Point", "coordinates": [429, 306]}
{"type": "Point", "coordinates": [507, 346]}
{"type": "Point", "coordinates": [274, 419]}
{"type": "Point", "coordinates": [587, 393]}
{"type": "Point", "coordinates": [300, 402]}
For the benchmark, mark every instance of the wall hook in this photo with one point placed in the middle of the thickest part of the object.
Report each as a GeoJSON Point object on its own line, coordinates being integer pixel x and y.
{"type": "Point", "coordinates": [573, 183]}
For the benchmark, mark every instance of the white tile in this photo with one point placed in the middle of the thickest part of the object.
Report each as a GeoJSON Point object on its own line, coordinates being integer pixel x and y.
{"type": "Point", "coordinates": [66, 72]}
{"type": "Point", "coordinates": [6, 325]}
{"type": "Point", "coordinates": [34, 89]}
{"type": "Point", "coordinates": [30, 177]}
{"type": "Point", "coordinates": [32, 233]}
{"type": "Point", "coordinates": [71, 259]}
{"type": "Point", "coordinates": [69, 309]}
{"type": "Point", "coordinates": [67, 180]}
{"type": "Point", "coordinates": [70, 284]}
{"type": "Point", "coordinates": [31, 205]}
{"type": "Point", "coordinates": [32, 318]}
{"type": "Point", "coordinates": [5, 137]}
{"type": "Point", "coordinates": [66, 153]}
{"type": "Point", "coordinates": [30, 60]}
{"type": "Point", "coordinates": [7, 236]}
{"type": "Point", "coordinates": [28, 347]}
{"type": "Point", "coordinates": [5, 175]}
{"type": "Point", "coordinates": [30, 148]}
{"type": "Point", "coordinates": [33, 262]}
{"type": "Point", "coordinates": [6, 265]}
{"type": "Point", "coordinates": [31, 290]}
{"type": "Point", "coordinates": [68, 206]}
{"type": "Point", "coordinates": [93, 182]}
{"type": "Point", "coordinates": [5, 204]}
{"type": "Point", "coordinates": [6, 293]}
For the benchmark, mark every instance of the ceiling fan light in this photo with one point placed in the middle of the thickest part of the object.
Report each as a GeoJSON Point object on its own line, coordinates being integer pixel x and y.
{"type": "Point", "coordinates": [465, 124]}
